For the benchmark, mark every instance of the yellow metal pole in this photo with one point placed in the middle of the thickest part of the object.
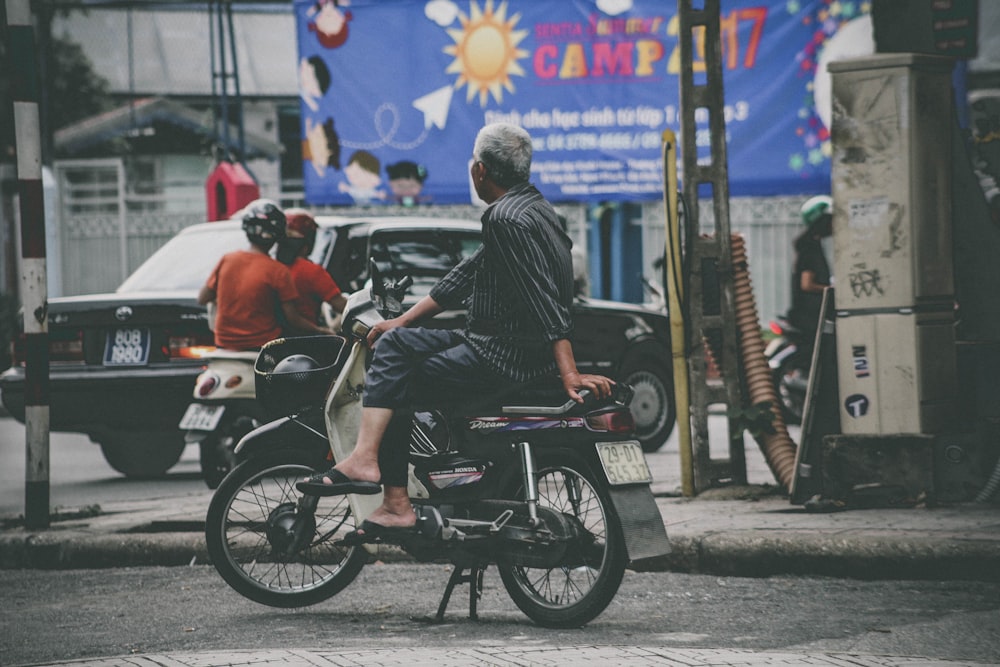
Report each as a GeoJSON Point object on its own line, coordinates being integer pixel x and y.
{"type": "Point", "coordinates": [675, 309]}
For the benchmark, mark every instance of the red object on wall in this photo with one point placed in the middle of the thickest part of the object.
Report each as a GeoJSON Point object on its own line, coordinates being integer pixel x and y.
{"type": "Point", "coordinates": [229, 188]}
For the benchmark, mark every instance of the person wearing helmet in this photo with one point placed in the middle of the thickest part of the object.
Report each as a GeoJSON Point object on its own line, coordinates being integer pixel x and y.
{"type": "Point", "coordinates": [314, 284]}
{"type": "Point", "coordinates": [811, 273]}
{"type": "Point", "coordinates": [250, 288]}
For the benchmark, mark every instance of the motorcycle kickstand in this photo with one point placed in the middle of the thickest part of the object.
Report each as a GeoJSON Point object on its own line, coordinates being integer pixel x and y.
{"type": "Point", "coordinates": [474, 578]}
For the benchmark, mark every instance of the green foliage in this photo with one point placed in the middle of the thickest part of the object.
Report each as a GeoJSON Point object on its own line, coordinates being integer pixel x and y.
{"type": "Point", "coordinates": [75, 90]}
{"type": "Point", "coordinates": [757, 419]}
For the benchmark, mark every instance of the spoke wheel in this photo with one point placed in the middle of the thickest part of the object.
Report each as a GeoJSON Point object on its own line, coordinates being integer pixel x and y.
{"type": "Point", "coordinates": [575, 592]}
{"type": "Point", "coordinates": [267, 549]}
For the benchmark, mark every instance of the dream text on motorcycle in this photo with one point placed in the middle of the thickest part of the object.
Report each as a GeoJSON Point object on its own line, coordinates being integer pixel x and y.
{"type": "Point", "coordinates": [624, 463]}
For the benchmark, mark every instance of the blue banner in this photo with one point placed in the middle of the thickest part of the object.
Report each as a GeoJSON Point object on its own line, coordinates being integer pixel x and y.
{"type": "Point", "coordinates": [394, 91]}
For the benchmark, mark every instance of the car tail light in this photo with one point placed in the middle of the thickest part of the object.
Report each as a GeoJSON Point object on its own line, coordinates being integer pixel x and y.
{"type": "Point", "coordinates": [188, 347]}
{"type": "Point", "coordinates": [17, 350]}
{"type": "Point", "coordinates": [66, 349]}
{"type": "Point", "coordinates": [206, 383]}
{"type": "Point", "coordinates": [611, 421]}
{"type": "Point", "coordinates": [63, 347]}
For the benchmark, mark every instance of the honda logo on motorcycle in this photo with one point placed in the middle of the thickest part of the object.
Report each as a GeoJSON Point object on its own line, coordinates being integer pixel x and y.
{"type": "Point", "coordinates": [123, 313]}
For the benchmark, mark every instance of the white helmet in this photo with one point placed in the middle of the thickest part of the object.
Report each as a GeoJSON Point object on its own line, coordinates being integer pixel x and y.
{"type": "Point", "coordinates": [815, 208]}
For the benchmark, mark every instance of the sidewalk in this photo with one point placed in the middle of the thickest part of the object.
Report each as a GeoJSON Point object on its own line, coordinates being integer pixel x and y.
{"type": "Point", "coordinates": [741, 531]}
{"type": "Point", "coordinates": [515, 656]}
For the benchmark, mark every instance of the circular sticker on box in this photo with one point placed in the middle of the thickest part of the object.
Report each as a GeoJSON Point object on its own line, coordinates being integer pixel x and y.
{"type": "Point", "coordinates": [857, 405]}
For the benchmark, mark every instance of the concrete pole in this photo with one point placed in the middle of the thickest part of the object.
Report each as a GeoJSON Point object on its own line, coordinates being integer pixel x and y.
{"type": "Point", "coordinates": [34, 282]}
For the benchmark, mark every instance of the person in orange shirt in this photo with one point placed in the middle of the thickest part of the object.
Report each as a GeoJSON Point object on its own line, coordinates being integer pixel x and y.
{"type": "Point", "coordinates": [250, 288]}
{"type": "Point", "coordinates": [314, 284]}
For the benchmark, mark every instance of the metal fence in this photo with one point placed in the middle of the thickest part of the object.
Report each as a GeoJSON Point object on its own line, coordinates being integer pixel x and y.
{"type": "Point", "coordinates": [107, 228]}
{"type": "Point", "coordinates": [769, 226]}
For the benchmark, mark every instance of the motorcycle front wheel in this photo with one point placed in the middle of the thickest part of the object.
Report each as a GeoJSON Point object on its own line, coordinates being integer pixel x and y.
{"type": "Point", "coordinates": [266, 547]}
{"type": "Point", "coordinates": [577, 591]}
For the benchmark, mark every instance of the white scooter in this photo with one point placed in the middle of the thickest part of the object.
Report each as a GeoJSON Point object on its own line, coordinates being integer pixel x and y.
{"type": "Point", "coordinates": [223, 410]}
{"type": "Point", "coordinates": [225, 407]}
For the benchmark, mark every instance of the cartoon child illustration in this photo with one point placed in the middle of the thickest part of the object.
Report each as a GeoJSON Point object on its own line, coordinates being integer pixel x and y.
{"type": "Point", "coordinates": [314, 80]}
{"type": "Point", "coordinates": [321, 146]}
{"type": "Point", "coordinates": [406, 180]}
{"type": "Point", "coordinates": [329, 22]}
{"type": "Point", "coordinates": [362, 172]}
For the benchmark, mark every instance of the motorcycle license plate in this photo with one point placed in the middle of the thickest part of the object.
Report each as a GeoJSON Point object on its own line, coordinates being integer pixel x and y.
{"type": "Point", "coordinates": [201, 417]}
{"type": "Point", "coordinates": [624, 463]}
{"type": "Point", "coordinates": [127, 347]}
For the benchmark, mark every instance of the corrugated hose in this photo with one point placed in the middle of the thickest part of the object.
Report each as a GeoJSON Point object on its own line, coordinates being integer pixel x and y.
{"type": "Point", "coordinates": [779, 449]}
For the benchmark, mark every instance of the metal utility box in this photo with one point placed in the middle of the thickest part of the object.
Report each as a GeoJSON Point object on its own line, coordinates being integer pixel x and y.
{"type": "Point", "coordinates": [891, 184]}
{"type": "Point", "coordinates": [891, 180]}
{"type": "Point", "coordinates": [897, 372]}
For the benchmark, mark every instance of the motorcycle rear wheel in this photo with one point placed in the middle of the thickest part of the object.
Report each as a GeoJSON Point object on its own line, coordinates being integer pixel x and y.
{"type": "Point", "coordinates": [247, 534]}
{"type": "Point", "coordinates": [572, 594]}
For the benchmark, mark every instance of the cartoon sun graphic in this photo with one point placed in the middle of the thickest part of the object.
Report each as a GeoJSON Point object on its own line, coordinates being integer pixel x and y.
{"type": "Point", "coordinates": [485, 51]}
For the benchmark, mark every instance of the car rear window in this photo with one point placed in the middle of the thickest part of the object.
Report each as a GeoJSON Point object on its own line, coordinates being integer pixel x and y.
{"type": "Point", "coordinates": [425, 253]}
{"type": "Point", "coordinates": [184, 262]}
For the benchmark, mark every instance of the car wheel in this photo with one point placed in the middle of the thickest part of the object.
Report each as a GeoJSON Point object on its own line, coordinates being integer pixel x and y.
{"type": "Point", "coordinates": [143, 454]}
{"type": "Point", "coordinates": [653, 404]}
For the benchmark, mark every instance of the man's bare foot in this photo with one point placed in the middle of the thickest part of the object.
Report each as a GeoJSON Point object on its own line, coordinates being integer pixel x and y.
{"type": "Point", "coordinates": [383, 516]}
{"type": "Point", "coordinates": [359, 471]}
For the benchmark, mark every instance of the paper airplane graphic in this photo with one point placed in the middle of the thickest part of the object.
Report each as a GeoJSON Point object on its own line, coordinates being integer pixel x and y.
{"type": "Point", "coordinates": [434, 106]}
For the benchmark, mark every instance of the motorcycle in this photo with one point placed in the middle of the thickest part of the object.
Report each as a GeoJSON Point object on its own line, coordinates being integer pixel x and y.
{"type": "Point", "coordinates": [224, 409]}
{"type": "Point", "coordinates": [789, 357]}
{"type": "Point", "coordinates": [555, 494]}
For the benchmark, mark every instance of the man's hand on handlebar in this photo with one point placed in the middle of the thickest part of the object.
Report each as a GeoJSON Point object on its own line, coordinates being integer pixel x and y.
{"type": "Point", "coordinates": [380, 328]}
{"type": "Point", "coordinates": [574, 382]}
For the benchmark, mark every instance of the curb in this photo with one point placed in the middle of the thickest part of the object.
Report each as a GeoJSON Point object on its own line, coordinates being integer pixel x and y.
{"type": "Point", "coordinates": [741, 555]}
{"type": "Point", "coordinates": [859, 557]}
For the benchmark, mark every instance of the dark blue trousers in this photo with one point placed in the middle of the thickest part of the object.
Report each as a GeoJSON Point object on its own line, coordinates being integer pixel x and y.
{"type": "Point", "coordinates": [413, 366]}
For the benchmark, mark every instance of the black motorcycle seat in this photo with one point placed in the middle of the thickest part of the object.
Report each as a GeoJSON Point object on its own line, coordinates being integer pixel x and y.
{"type": "Point", "coordinates": [543, 394]}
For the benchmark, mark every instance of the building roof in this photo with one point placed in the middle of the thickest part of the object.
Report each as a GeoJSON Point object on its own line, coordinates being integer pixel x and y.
{"type": "Point", "coordinates": [145, 113]}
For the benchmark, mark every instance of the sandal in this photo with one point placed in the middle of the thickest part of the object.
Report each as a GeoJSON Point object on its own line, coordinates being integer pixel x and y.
{"type": "Point", "coordinates": [340, 484]}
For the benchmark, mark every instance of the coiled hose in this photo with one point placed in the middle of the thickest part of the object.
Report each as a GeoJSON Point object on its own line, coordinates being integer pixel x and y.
{"type": "Point", "coordinates": [991, 486]}
{"type": "Point", "coordinates": [779, 449]}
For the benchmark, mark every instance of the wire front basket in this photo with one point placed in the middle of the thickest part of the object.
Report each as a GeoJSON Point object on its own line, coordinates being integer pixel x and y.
{"type": "Point", "coordinates": [292, 374]}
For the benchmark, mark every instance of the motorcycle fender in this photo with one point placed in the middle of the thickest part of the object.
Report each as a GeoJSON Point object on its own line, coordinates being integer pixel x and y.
{"type": "Point", "coordinates": [283, 431]}
{"type": "Point", "coordinates": [642, 524]}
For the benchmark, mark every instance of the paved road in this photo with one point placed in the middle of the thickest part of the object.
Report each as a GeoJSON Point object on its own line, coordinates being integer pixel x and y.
{"type": "Point", "coordinates": [79, 475]}
{"type": "Point", "coordinates": [189, 615]}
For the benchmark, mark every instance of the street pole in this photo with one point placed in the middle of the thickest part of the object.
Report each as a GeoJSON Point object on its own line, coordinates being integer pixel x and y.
{"type": "Point", "coordinates": [34, 282]}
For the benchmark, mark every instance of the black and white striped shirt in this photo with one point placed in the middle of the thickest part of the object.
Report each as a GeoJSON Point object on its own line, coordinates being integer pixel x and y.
{"type": "Point", "coordinates": [517, 287]}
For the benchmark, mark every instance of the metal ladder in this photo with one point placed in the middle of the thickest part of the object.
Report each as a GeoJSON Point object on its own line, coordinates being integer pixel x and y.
{"type": "Point", "coordinates": [708, 269]}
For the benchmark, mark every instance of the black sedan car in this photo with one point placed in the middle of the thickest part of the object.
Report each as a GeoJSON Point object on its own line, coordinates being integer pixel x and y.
{"type": "Point", "coordinates": [123, 365]}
